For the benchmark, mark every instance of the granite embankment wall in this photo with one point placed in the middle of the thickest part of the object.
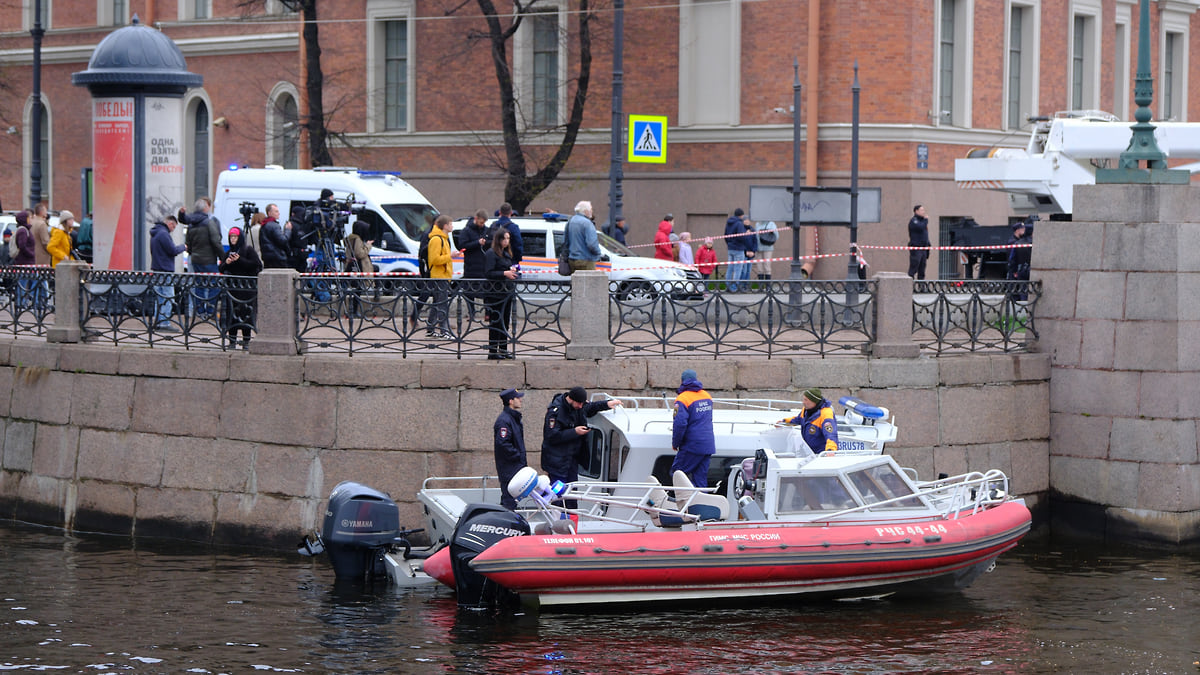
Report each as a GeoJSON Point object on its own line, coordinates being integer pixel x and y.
{"type": "Point", "coordinates": [235, 448]}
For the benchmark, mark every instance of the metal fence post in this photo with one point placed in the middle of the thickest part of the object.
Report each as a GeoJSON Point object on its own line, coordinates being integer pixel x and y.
{"type": "Point", "coordinates": [589, 317]}
{"type": "Point", "coordinates": [275, 333]}
{"type": "Point", "coordinates": [66, 328]}
{"type": "Point", "coordinates": [894, 317]}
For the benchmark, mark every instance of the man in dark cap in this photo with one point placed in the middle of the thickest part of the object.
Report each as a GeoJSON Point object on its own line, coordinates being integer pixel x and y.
{"type": "Point", "coordinates": [819, 425]}
{"type": "Point", "coordinates": [692, 436]}
{"type": "Point", "coordinates": [508, 443]}
{"type": "Point", "coordinates": [565, 431]}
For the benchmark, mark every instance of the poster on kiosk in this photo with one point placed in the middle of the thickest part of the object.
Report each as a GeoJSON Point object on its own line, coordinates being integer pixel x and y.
{"type": "Point", "coordinates": [112, 190]}
{"type": "Point", "coordinates": [134, 187]}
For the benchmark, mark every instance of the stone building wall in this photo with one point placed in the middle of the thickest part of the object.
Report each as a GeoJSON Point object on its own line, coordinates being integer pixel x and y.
{"type": "Point", "coordinates": [234, 448]}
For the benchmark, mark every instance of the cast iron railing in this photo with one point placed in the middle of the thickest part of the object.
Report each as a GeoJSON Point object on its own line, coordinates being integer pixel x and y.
{"type": "Point", "coordinates": [971, 316]}
{"type": "Point", "coordinates": [381, 314]}
{"type": "Point", "coordinates": [194, 311]}
{"type": "Point", "coordinates": [26, 300]}
{"type": "Point", "coordinates": [774, 319]}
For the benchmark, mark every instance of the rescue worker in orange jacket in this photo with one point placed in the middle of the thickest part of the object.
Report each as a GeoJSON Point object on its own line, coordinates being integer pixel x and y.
{"type": "Point", "coordinates": [819, 425]}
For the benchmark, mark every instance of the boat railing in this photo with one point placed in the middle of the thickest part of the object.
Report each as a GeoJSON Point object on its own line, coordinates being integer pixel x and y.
{"type": "Point", "coordinates": [631, 504]}
{"type": "Point", "coordinates": [948, 498]}
{"type": "Point", "coordinates": [665, 402]}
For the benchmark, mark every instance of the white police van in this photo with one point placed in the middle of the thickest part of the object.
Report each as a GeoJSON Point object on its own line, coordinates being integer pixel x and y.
{"type": "Point", "coordinates": [543, 236]}
{"type": "Point", "coordinates": [396, 213]}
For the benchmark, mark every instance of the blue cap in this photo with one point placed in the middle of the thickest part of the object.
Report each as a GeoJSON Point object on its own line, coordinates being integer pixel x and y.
{"type": "Point", "coordinates": [509, 394]}
{"type": "Point", "coordinates": [688, 374]}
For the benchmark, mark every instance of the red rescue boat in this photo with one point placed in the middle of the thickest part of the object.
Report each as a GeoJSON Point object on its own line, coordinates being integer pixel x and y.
{"type": "Point", "coordinates": [820, 526]}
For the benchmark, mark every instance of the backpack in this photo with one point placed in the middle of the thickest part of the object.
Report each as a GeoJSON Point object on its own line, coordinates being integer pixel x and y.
{"type": "Point", "coordinates": [423, 257]}
{"type": "Point", "coordinates": [14, 249]}
{"type": "Point", "coordinates": [767, 237]}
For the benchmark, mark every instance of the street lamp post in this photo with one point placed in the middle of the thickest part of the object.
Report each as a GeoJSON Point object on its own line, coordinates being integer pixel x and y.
{"type": "Point", "coordinates": [35, 141]}
{"type": "Point", "coordinates": [848, 316]}
{"type": "Point", "coordinates": [618, 84]}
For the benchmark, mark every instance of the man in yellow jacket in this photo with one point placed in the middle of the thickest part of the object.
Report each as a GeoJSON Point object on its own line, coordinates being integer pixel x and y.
{"type": "Point", "coordinates": [441, 268]}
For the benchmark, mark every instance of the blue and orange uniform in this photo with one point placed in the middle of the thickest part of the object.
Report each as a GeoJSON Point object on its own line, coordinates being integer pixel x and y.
{"type": "Point", "coordinates": [692, 431]}
{"type": "Point", "coordinates": [819, 428]}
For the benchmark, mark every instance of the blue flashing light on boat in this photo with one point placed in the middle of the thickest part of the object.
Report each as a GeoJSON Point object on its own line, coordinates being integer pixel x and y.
{"type": "Point", "coordinates": [379, 173]}
{"type": "Point", "coordinates": [867, 410]}
{"type": "Point", "coordinates": [233, 167]}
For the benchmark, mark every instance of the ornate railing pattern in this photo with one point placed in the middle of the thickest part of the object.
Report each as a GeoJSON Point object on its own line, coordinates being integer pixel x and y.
{"type": "Point", "coordinates": [774, 319]}
{"type": "Point", "coordinates": [26, 300]}
{"type": "Point", "coordinates": [194, 311]}
{"type": "Point", "coordinates": [404, 315]}
{"type": "Point", "coordinates": [971, 316]}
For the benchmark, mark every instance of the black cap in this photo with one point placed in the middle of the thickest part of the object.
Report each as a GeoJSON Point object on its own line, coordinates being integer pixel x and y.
{"type": "Point", "coordinates": [326, 193]}
{"type": "Point", "coordinates": [509, 394]}
{"type": "Point", "coordinates": [578, 394]}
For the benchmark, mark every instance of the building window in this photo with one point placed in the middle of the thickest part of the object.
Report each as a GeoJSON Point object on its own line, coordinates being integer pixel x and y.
{"type": "Point", "coordinates": [1170, 68]}
{"type": "Point", "coordinates": [395, 65]}
{"type": "Point", "coordinates": [390, 63]}
{"type": "Point", "coordinates": [195, 9]}
{"type": "Point", "coordinates": [545, 69]}
{"type": "Point", "coordinates": [1021, 94]}
{"type": "Point", "coordinates": [27, 7]}
{"type": "Point", "coordinates": [1121, 63]}
{"type": "Point", "coordinates": [200, 141]}
{"type": "Point", "coordinates": [710, 62]}
{"type": "Point", "coordinates": [1171, 89]}
{"type": "Point", "coordinates": [1084, 65]}
{"type": "Point", "coordinates": [952, 98]}
{"type": "Point", "coordinates": [284, 123]}
{"type": "Point", "coordinates": [112, 12]}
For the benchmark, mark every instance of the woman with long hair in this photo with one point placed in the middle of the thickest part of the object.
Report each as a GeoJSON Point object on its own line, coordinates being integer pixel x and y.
{"type": "Point", "coordinates": [498, 270]}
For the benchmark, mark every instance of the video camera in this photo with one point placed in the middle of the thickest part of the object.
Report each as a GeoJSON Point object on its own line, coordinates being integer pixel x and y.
{"type": "Point", "coordinates": [247, 209]}
{"type": "Point", "coordinates": [328, 217]}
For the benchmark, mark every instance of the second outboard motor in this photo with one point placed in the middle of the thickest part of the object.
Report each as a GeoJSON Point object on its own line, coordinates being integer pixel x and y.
{"type": "Point", "coordinates": [481, 526]}
{"type": "Point", "coordinates": [361, 523]}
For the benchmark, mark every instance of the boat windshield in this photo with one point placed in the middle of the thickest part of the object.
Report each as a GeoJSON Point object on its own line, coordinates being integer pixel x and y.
{"type": "Point", "coordinates": [812, 493]}
{"type": "Point", "coordinates": [881, 483]}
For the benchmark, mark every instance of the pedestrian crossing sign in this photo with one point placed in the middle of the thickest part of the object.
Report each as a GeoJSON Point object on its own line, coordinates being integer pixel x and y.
{"type": "Point", "coordinates": [648, 139]}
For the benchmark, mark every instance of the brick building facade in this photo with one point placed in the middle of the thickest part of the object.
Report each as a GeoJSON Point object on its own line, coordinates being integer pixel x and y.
{"type": "Point", "coordinates": [406, 87]}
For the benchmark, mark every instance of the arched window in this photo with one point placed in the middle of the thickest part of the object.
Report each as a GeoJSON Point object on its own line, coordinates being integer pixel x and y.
{"type": "Point", "coordinates": [200, 133]}
{"type": "Point", "coordinates": [285, 132]}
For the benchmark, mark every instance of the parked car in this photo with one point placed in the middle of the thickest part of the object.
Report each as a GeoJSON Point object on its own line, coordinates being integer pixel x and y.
{"type": "Point", "coordinates": [543, 237]}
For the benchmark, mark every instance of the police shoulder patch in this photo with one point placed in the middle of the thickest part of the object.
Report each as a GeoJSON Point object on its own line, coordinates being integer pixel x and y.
{"type": "Point", "coordinates": [503, 432]}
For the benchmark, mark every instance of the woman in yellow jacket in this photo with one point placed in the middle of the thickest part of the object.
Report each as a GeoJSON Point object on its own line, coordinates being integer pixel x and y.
{"type": "Point", "coordinates": [441, 268]}
{"type": "Point", "coordinates": [59, 247]}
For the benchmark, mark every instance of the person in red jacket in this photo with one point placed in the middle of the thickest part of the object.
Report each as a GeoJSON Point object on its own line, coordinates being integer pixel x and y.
{"type": "Point", "coordinates": [663, 250]}
{"type": "Point", "coordinates": [706, 258]}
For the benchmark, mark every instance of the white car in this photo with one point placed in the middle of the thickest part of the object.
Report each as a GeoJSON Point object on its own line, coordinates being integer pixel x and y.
{"type": "Point", "coordinates": [542, 237]}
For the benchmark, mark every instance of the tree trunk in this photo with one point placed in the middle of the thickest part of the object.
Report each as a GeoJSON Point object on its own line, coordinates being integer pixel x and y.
{"type": "Point", "coordinates": [318, 150]}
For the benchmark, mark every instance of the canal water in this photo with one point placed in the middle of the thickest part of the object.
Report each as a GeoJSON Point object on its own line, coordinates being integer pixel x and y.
{"type": "Point", "coordinates": [82, 604]}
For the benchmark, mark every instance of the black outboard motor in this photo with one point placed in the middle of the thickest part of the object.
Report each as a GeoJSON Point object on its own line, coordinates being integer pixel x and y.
{"type": "Point", "coordinates": [361, 523]}
{"type": "Point", "coordinates": [481, 526]}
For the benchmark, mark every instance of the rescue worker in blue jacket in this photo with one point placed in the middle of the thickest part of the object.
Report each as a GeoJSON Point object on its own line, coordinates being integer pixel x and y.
{"type": "Point", "coordinates": [508, 443]}
{"type": "Point", "coordinates": [692, 435]}
{"type": "Point", "coordinates": [819, 425]}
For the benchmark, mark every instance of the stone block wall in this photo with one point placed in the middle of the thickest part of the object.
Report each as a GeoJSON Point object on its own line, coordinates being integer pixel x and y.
{"type": "Point", "coordinates": [1121, 298]}
{"type": "Point", "coordinates": [232, 448]}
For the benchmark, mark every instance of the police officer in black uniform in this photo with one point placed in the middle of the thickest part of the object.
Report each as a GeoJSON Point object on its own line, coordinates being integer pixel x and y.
{"type": "Point", "coordinates": [508, 443]}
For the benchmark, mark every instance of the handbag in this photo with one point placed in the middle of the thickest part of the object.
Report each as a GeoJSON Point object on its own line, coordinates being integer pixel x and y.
{"type": "Point", "coordinates": [564, 264]}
